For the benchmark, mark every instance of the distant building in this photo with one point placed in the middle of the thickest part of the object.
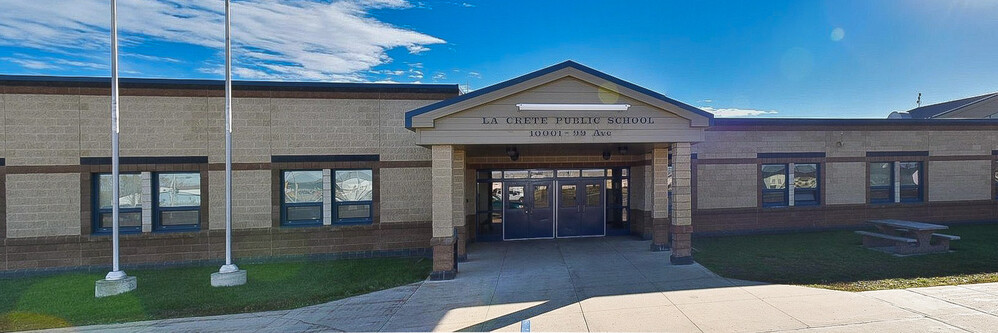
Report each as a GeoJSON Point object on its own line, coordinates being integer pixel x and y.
{"type": "Point", "coordinates": [977, 107]}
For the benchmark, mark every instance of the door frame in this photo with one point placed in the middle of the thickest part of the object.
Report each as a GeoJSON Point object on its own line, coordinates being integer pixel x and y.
{"type": "Point", "coordinates": [554, 210]}
{"type": "Point", "coordinates": [557, 183]}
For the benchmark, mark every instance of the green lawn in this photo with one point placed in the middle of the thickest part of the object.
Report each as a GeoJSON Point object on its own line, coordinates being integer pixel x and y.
{"type": "Point", "coordinates": [837, 260]}
{"type": "Point", "coordinates": [68, 299]}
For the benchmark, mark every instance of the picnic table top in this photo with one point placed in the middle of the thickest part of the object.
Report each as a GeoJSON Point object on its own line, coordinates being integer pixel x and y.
{"type": "Point", "coordinates": [910, 225]}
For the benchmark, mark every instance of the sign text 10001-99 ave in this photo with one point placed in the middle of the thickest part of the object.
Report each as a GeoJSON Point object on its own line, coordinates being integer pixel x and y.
{"type": "Point", "coordinates": [568, 120]}
{"type": "Point", "coordinates": [570, 133]}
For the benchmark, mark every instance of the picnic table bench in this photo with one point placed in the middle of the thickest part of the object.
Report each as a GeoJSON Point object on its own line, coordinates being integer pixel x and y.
{"type": "Point", "coordinates": [907, 237]}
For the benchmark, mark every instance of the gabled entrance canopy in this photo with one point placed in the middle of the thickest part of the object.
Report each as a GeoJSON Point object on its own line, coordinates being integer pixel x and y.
{"type": "Point", "coordinates": [564, 103]}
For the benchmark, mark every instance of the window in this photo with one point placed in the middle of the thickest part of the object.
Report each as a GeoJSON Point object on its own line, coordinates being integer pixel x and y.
{"type": "Point", "coordinates": [805, 184]}
{"type": "Point", "coordinates": [129, 203]}
{"type": "Point", "coordinates": [354, 195]}
{"type": "Point", "coordinates": [994, 178]}
{"type": "Point", "coordinates": [881, 182]}
{"type": "Point", "coordinates": [178, 201]}
{"type": "Point", "coordinates": [301, 198]}
{"type": "Point", "coordinates": [911, 181]}
{"type": "Point", "coordinates": [774, 185]}
{"type": "Point", "coordinates": [905, 177]}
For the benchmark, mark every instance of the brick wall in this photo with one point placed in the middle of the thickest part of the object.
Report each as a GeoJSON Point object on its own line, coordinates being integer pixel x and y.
{"type": "Point", "coordinates": [406, 195]}
{"type": "Point", "coordinates": [43, 205]}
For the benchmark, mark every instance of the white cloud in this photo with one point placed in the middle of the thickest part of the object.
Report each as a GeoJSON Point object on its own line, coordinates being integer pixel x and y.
{"type": "Point", "coordinates": [30, 63]}
{"type": "Point", "coordinates": [272, 39]}
{"type": "Point", "coordinates": [439, 76]}
{"type": "Point", "coordinates": [735, 112]}
{"type": "Point", "coordinates": [475, 75]}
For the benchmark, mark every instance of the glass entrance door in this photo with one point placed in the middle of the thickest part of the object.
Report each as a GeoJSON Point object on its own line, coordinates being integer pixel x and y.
{"type": "Point", "coordinates": [527, 212]}
{"type": "Point", "coordinates": [581, 209]}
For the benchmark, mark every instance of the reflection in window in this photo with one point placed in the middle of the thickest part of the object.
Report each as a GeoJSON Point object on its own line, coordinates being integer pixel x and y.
{"type": "Point", "coordinates": [568, 196]}
{"type": "Point", "coordinates": [774, 185]}
{"type": "Point", "coordinates": [354, 195]}
{"type": "Point", "coordinates": [516, 174]}
{"type": "Point", "coordinates": [881, 182]}
{"type": "Point", "coordinates": [129, 203]}
{"type": "Point", "coordinates": [542, 174]}
{"type": "Point", "coordinates": [541, 197]}
{"type": "Point", "coordinates": [568, 173]}
{"type": "Point", "coordinates": [515, 197]}
{"type": "Point", "coordinates": [911, 181]}
{"type": "Point", "coordinates": [301, 203]}
{"type": "Point", "coordinates": [178, 201]}
{"type": "Point", "coordinates": [806, 184]}
{"type": "Point", "coordinates": [593, 194]}
{"type": "Point", "coordinates": [593, 173]}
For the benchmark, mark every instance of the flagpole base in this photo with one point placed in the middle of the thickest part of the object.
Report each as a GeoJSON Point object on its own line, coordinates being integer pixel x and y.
{"type": "Point", "coordinates": [228, 279]}
{"type": "Point", "coordinates": [108, 287]}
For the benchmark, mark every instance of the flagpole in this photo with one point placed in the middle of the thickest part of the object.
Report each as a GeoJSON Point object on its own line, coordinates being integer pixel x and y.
{"type": "Point", "coordinates": [229, 274]}
{"type": "Point", "coordinates": [116, 281]}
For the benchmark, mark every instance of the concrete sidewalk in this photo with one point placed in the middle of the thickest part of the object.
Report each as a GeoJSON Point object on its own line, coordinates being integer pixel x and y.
{"type": "Point", "coordinates": [608, 284]}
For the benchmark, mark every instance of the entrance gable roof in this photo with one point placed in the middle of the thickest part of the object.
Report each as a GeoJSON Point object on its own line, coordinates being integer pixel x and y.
{"type": "Point", "coordinates": [697, 117]}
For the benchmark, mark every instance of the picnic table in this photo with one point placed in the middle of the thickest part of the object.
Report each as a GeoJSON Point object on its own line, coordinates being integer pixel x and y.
{"type": "Point", "coordinates": [907, 237]}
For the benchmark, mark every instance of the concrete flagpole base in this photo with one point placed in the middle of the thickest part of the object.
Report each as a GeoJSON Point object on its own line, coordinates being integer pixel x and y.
{"type": "Point", "coordinates": [107, 287]}
{"type": "Point", "coordinates": [228, 276]}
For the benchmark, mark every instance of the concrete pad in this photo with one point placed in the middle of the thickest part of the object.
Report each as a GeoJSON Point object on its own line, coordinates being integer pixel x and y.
{"type": "Point", "coordinates": [905, 325]}
{"type": "Point", "coordinates": [707, 295]}
{"type": "Point", "coordinates": [105, 288]}
{"type": "Point", "coordinates": [916, 302]}
{"type": "Point", "coordinates": [427, 319]}
{"type": "Point", "coordinates": [973, 299]}
{"type": "Point", "coordinates": [626, 301]}
{"type": "Point", "coordinates": [615, 290]}
{"type": "Point", "coordinates": [838, 308]}
{"type": "Point", "coordinates": [649, 319]}
{"type": "Point", "coordinates": [229, 279]}
{"type": "Point", "coordinates": [738, 316]}
{"type": "Point", "coordinates": [990, 288]}
{"type": "Point", "coordinates": [766, 291]}
{"type": "Point", "coordinates": [561, 322]}
{"type": "Point", "coordinates": [974, 322]}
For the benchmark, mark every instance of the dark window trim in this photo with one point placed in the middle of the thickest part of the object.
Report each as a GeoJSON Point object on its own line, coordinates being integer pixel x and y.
{"type": "Point", "coordinates": [157, 223]}
{"type": "Point", "coordinates": [816, 190]}
{"type": "Point", "coordinates": [96, 211]}
{"type": "Point", "coordinates": [921, 183]}
{"type": "Point", "coordinates": [146, 160]}
{"type": "Point", "coordinates": [323, 158]}
{"type": "Point", "coordinates": [896, 153]}
{"type": "Point", "coordinates": [890, 188]}
{"type": "Point", "coordinates": [785, 190]}
{"type": "Point", "coordinates": [791, 155]}
{"type": "Point", "coordinates": [336, 204]}
{"type": "Point", "coordinates": [284, 205]}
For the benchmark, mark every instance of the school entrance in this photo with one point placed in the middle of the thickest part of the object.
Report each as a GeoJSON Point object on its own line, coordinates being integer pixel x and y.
{"type": "Point", "coordinates": [558, 203]}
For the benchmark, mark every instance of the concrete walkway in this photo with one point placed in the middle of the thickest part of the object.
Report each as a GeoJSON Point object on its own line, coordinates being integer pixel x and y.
{"type": "Point", "coordinates": [608, 284]}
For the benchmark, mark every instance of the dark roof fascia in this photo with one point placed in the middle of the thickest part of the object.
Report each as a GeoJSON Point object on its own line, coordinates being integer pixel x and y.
{"type": "Point", "coordinates": [545, 71]}
{"type": "Point", "coordinates": [938, 109]}
{"type": "Point", "coordinates": [850, 122]}
{"type": "Point", "coordinates": [104, 82]}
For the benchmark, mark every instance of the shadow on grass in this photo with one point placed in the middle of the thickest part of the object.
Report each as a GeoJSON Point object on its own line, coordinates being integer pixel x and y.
{"type": "Point", "coordinates": [838, 259]}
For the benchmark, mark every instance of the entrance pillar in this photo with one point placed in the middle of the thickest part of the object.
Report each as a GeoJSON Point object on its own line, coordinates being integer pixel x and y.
{"type": "Point", "coordinates": [682, 209]}
{"type": "Point", "coordinates": [448, 167]}
{"type": "Point", "coordinates": [659, 198]}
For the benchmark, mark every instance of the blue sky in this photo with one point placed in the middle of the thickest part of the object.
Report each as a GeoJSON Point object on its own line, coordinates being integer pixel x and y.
{"type": "Point", "coordinates": [759, 58]}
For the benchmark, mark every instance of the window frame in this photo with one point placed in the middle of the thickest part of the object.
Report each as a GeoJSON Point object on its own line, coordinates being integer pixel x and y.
{"type": "Point", "coordinates": [157, 219]}
{"type": "Point", "coordinates": [97, 211]}
{"type": "Point", "coordinates": [284, 204]}
{"type": "Point", "coordinates": [816, 190]}
{"type": "Point", "coordinates": [889, 187]}
{"type": "Point", "coordinates": [920, 186]}
{"type": "Point", "coordinates": [336, 203]}
{"type": "Point", "coordinates": [785, 190]}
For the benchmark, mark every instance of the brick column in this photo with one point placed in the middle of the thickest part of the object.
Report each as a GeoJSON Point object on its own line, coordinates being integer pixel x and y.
{"type": "Point", "coordinates": [648, 191]}
{"type": "Point", "coordinates": [659, 198]}
{"type": "Point", "coordinates": [682, 209]}
{"type": "Point", "coordinates": [448, 208]}
{"type": "Point", "coordinates": [458, 183]}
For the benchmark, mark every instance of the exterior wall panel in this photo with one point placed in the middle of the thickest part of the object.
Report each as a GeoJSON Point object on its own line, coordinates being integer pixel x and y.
{"type": "Point", "coordinates": [959, 180]}
{"type": "Point", "coordinates": [727, 185]}
{"type": "Point", "coordinates": [845, 183]}
{"type": "Point", "coordinates": [406, 195]}
{"type": "Point", "coordinates": [40, 205]}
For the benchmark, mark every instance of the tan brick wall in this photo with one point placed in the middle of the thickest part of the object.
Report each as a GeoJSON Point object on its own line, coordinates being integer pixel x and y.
{"type": "Point", "coordinates": [324, 127]}
{"type": "Point", "coordinates": [727, 185]}
{"type": "Point", "coordinates": [404, 195]}
{"type": "Point", "coordinates": [396, 140]}
{"type": "Point", "coordinates": [150, 126]}
{"type": "Point", "coordinates": [3, 127]}
{"type": "Point", "coordinates": [746, 144]}
{"type": "Point", "coordinates": [251, 201]}
{"type": "Point", "coordinates": [42, 129]}
{"type": "Point", "coordinates": [959, 180]}
{"type": "Point", "coordinates": [251, 119]}
{"type": "Point", "coordinates": [845, 183]}
{"type": "Point", "coordinates": [443, 191]}
{"type": "Point", "coordinates": [43, 205]}
{"type": "Point", "coordinates": [682, 197]}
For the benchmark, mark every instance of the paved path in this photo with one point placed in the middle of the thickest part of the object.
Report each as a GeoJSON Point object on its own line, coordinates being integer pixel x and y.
{"type": "Point", "coordinates": [609, 284]}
